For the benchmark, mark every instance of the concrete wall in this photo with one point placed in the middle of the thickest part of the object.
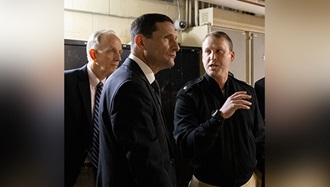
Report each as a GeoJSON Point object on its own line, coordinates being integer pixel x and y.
{"type": "Point", "coordinates": [82, 17]}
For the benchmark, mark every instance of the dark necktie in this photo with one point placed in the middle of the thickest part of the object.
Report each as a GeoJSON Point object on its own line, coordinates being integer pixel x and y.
{"type": "Point", "coordinates": [95, 145]}
{"type": "Point", "coordinates": [156, 88]}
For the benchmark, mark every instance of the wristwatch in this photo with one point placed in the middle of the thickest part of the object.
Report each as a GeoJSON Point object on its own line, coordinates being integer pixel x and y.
{"type": "Point", "coordinates": [216, 114]}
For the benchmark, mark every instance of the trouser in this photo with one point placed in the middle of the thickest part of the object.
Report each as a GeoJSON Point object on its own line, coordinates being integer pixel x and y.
{"type": "Point", "coordinates": [87, 177]}
{"type": "Point", "coordinates": [254, 181]}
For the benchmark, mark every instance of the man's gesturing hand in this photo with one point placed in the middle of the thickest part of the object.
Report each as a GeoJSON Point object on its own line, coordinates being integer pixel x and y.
{"type": "Point", "coordinates": [236, 101]}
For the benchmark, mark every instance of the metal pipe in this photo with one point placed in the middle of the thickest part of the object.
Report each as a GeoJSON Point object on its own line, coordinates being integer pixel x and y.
{"type": "Point", "coordinates": [196, 13]}
{"type": "Point", "coordinates": [186, 17]}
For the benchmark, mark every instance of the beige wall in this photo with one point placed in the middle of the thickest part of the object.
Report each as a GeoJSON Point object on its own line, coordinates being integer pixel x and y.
{"type": "Point", "coordinates": [82, 17]}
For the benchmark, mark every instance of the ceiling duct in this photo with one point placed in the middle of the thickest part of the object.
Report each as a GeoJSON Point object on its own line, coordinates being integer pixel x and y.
{"type": "Point", "coordinates": [252, 6]}
{"type": "Point", "coordinates": [229, 19]}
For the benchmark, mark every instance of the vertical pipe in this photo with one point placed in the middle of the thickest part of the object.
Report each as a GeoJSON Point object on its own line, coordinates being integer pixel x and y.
{"type": "Point", "coordinates": [196, 13]}
{"type": "Point", "coordinates": [249, 71]}
{"type": "Point", "coordinates": [188, 12]}
{"type": "Point", "coordinates": [179, 11]}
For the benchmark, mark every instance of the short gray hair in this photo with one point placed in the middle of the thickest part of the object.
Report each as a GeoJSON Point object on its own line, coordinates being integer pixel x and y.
{"type": "Point", "coordinates": [94, 40]}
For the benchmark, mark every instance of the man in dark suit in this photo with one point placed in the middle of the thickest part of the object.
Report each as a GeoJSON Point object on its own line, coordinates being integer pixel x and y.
{"type": "Point", "coordinates": [259, 87]}
{"type": "Point", "coordinates": [134, 143]}
{"type": "Point", "coordinates": [103, 53]}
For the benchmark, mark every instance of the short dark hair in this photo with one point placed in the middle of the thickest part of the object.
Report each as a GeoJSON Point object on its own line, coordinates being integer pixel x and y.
{"type": "Point", "coordinates": [220, 34]}
{"type": "Point", "coordinates": [146, 24]}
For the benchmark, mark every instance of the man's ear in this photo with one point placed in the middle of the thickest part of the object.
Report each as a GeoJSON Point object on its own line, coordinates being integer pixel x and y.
{"type": "Point", "coordinates": [92, 54]}
{"type": "Point", "coordinates": [139, 40]}
{"type": "Point", "coordinates": [232, 55]}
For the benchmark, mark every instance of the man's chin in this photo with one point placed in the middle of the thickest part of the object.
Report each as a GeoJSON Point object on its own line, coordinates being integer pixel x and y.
{"type": "Point", "coordinates": [171, 63]}
{"type": "Point", "coordinates": [111, 69]}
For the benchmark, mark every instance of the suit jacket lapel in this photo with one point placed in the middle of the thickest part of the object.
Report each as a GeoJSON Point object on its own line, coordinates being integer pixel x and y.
{"type": "Point", "coordinates": [84, 89]}
{"type": "Point", "coordinates": [133, 65]}
{"type": "Point", "coordinates": [157, 101]}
